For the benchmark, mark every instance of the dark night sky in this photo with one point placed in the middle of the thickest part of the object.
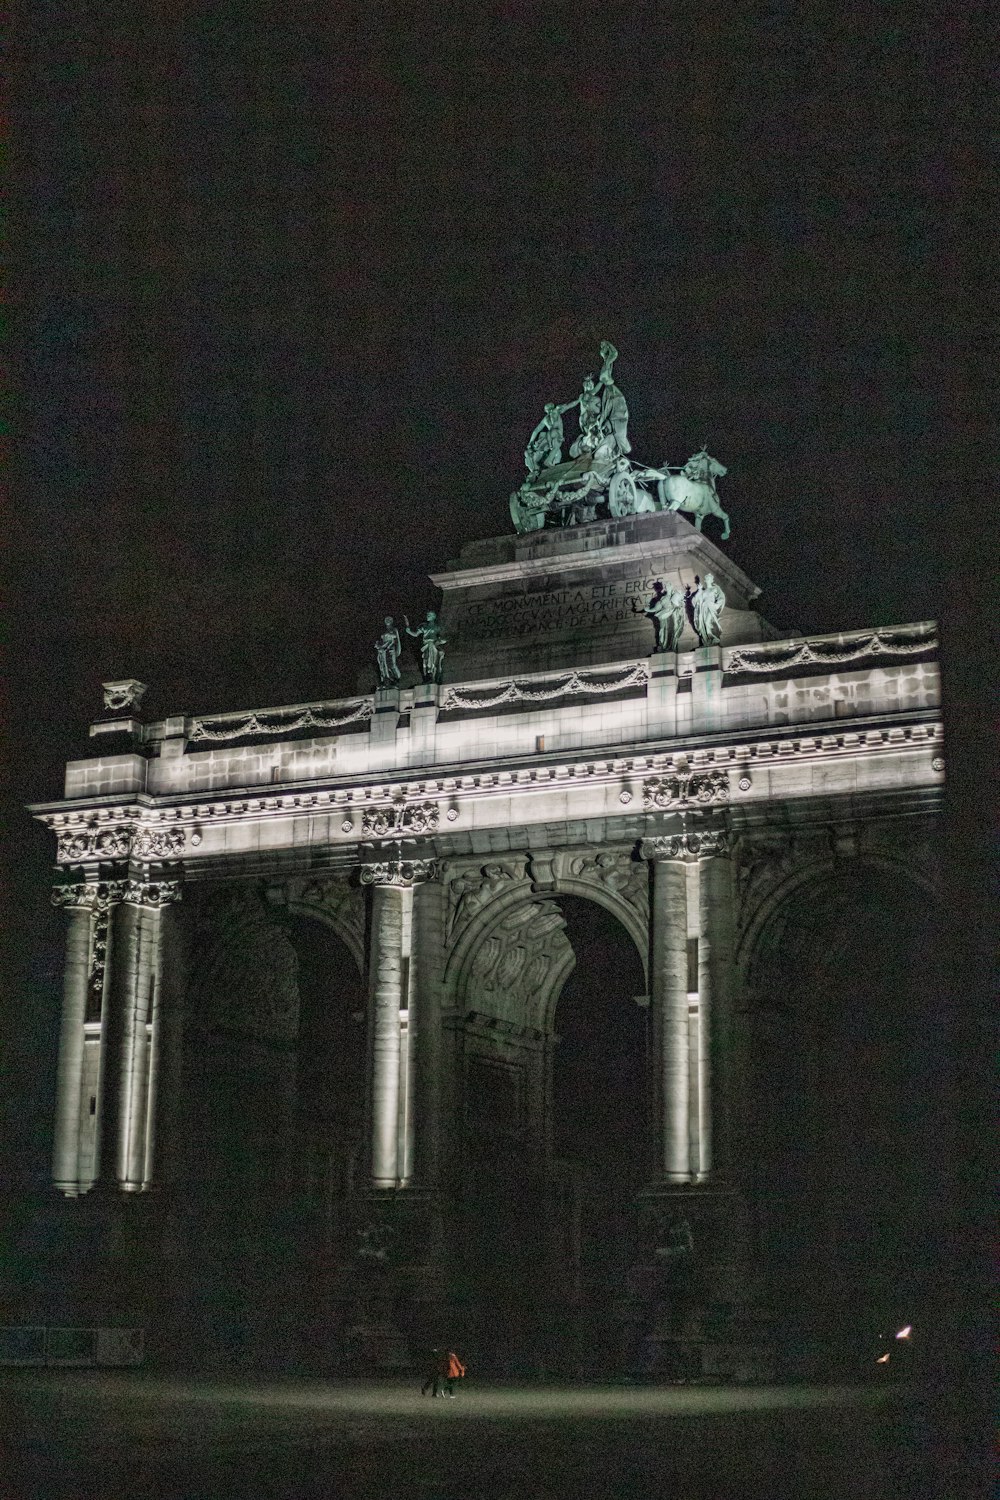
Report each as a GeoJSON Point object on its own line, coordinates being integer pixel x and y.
{"type": "Point", "coordinates": [296, 290]}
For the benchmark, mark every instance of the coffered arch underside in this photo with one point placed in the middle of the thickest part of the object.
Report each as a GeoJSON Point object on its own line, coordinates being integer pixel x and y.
{"type": "Point", "coordinates": [508, 954]}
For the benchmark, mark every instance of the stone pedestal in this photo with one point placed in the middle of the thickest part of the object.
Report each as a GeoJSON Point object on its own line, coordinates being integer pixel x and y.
{"type": "Point", "coordinates": [686, 1291]}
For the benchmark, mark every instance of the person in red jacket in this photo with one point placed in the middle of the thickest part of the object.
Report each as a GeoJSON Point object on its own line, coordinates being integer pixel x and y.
{"type": "Point", "coordinates": [452, 1369]}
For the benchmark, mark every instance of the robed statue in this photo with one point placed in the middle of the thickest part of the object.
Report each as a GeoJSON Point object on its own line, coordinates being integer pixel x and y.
{"type": "Point", "coordinates": [432, 644]}
{"type": "Point", "coordinates": [387, 649]}
{"type": "Point", "coordinates": [665, 607]}
{"type": "Point", "coordinates": [707, 604]}
{"type": "Point", "coordinates": [614, 409]}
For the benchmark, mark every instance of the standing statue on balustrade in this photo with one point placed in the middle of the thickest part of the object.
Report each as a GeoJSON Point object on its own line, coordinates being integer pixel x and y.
{"type": "Point", "coordinates": [387, 649]}
{"type": "Point", "coordinates": [707, 604]}
{"type": "Point", "coordinates": [665, 608]}
{"type": "Point", "coordinates": [432, 644]}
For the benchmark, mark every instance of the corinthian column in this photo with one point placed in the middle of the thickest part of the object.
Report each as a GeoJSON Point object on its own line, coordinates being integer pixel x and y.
{"type": "Point", "coordinates": [131, 1036]}
{"type": "Point", "coordinates": [715, 967]}
{"type": "Point", "coordinates": [79, 901]}
{"type": "Point", "coordinates": [669, 1009]}
{"type": "Point", "coordinates": [425, 1030]}
{"type": "Point", "coordinates": [389, 987]}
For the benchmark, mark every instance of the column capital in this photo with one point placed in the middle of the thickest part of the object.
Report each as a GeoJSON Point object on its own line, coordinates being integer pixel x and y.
{"type": "Point", "coordinates": [96, 895]}
{"type": "Point", "coordinates": [153, 893]}
{"type": "Point", "coordinates": [398, 872]}
{"type": "Point", "coordinates": [686, 845]}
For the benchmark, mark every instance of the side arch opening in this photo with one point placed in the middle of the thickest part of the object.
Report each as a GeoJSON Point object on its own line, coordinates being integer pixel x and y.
{"type": "Point", "coordinates": [836, 1110]}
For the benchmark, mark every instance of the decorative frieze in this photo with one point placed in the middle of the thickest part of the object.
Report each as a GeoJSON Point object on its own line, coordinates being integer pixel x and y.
{"type": "Point", "coordinates": [685, 790]}
{"type": "Point", "coordinates": [159, 843]}
{"type": "Point", "coordinates": [573, 684]}
{"type": "Point", "coordinates": [152, 892]}
{"type": "Point", "coordinates": [401, 818]}
{"type": "Point", "coordinates": [91, 843]}
{"type": "Point", "coordinates": [879, 643]}
{"type": "Point", "coordinates": [686, 845]}
{"type": "Point", "coordinates": [99, 895]}
{"type": "Point", "coordinates": [221, 729]}
{"type": "Point", "coordinates": [75, 846]}
{"type": "Point", "coordinates": [398, 872]}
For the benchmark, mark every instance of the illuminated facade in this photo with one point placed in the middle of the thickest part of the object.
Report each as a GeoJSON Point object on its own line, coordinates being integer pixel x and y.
{"type": "Point", "coordinates": [316, 954]}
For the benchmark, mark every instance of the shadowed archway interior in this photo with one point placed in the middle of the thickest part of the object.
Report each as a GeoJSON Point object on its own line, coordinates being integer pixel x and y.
{"type": "Point", "coordinates": [548, 1210]}
{"type": "Point", "coordinates": [599, 1102]}
{"type": "Point", "coordinates": [838, 1126]}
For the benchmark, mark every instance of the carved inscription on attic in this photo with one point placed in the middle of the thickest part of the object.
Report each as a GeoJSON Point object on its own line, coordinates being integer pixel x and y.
{"type": "Point", "coordinates": [591, 604]}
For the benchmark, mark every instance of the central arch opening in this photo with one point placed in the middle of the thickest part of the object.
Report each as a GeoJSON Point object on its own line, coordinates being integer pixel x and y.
{"type": "Point", "coordinates": [555, 1133]}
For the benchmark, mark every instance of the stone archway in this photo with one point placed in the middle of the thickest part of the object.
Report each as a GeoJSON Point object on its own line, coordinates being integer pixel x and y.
{"type": "Point", "coordinates": [536, 972]}
{"type": "Point", "coordinates": [835, 1118]}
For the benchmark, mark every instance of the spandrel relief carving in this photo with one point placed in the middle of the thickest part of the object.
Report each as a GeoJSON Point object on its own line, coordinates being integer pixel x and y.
{"type": "Point", "coordinates": [470, 891]}
{"type": "Point", "coordinates": [339, 900]}
{"type": "Point", "coordinates": [614, 869]}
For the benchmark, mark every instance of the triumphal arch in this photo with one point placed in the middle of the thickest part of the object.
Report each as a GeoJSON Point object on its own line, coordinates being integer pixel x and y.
{"type": "Point", "coordinates": [553, 995]}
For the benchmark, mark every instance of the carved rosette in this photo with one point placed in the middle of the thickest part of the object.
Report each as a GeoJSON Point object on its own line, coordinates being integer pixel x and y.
{"type": "Point", "coordinates": [398, 872]}
{"type": "Point", "coordinates": [401, 818]}
{"type": "Point", "coordinates": [705, 842]}
{"type": "Point", "coordinates": [685, 789]}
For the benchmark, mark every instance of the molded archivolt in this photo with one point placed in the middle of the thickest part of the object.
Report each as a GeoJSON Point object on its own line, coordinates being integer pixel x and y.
{"type": "Point", "coordinates": [772, 866]}
{"type": "Point", "coordinates": [836, 1044]}
{"type": "Point", "coordinates": [509, 954]}
{"type": "Point", "coordinates": [337, 904]}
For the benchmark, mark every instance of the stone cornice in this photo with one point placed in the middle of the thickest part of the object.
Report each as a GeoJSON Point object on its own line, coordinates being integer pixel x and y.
{"type": "Point", "coordinates": [450, 788]}
{"type": "Point", "coordinates": [685, 546]}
